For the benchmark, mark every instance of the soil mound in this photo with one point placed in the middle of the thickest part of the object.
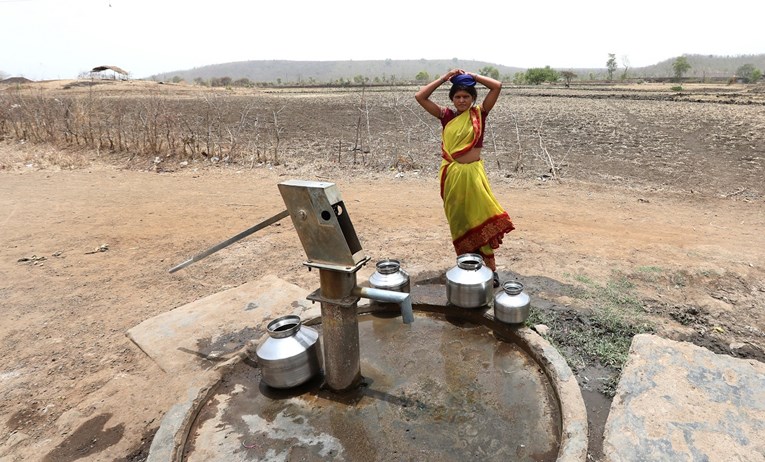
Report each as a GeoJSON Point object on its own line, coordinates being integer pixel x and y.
{"type": "Point", "coordinates": [15, 80]}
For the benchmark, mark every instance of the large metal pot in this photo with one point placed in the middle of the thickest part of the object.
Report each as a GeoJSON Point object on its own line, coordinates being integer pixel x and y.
{"type": "Point", "coordinates": [390, 276]}
{"type": "Point", "coordinates": [291, 355]}
{"type": "Point", "coordinates": [512, 304]}
{"type": "Point", "coordinates": [470, 284]}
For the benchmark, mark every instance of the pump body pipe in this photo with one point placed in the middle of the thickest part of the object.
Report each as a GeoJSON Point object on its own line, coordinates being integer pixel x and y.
{"type": "Point", "coordinates": [404, 300]}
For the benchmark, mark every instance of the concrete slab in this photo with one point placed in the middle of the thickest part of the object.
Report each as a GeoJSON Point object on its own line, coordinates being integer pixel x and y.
{"type": "Point", "coordinates": [680, 402]}
{"type": "Point", "coordinates": [170, 339]}
{"type": "Point", "coordinates": [434, 391]}
{"type": "Point", "coordinates": [192, 337]}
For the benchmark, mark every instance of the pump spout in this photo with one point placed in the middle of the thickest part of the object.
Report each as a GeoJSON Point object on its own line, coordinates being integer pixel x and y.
{"type": "Point", "coordinates": [388, 296]}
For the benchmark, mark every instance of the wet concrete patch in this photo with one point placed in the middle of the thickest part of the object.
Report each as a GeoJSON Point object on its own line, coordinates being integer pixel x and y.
{"type": "Point", "coordinates": [433, 390]}
{"type": "Point", "coordinates": [213, 326]}
{"type": "Point", "coordinates": [213, 351]}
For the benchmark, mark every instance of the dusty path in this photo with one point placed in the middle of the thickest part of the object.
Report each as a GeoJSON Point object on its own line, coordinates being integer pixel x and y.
{"type": "Point", "coordinates": [97, 244]}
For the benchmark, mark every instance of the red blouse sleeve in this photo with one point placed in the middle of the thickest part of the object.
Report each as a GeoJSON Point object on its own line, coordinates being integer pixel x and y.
{"type": "Point", "coordinates": [446, 116]}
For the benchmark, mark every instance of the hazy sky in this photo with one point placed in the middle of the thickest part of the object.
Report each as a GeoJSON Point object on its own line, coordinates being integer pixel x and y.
{"type": "Point", "coordinates": [52, 39]}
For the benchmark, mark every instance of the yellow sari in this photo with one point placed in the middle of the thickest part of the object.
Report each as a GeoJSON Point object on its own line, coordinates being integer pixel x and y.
{"type": "Point", "coordinates": [476, 220]}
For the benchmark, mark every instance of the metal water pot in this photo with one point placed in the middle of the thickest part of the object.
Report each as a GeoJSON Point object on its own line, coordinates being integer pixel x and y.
{"type": "Point", "coordinates": [470, 284]}
{"type": "Point", "coordinates": [512, 304]}
{"type": "Point", "coordinates": [291, 355]}
{"type": "Point", "coordinates": [390, 276]}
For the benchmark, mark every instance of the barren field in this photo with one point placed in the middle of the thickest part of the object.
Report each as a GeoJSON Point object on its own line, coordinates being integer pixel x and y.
{"type": "Point", "coordinates": [637, 209]}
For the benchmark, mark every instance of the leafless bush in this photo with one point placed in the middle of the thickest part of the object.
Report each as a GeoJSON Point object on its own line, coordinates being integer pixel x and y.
{"type": "Point", "coordinates": [143, 127]}
{"type": "Point", "coordinates": [554, 165]}
{"type": "Point", "coordinates": [325, 130]}
{"type": "Point", "coordinates": [277, 134]}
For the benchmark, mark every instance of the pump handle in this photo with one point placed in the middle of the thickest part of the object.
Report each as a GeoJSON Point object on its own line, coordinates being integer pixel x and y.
{"type": "Point", "coordinates": [231, 240]}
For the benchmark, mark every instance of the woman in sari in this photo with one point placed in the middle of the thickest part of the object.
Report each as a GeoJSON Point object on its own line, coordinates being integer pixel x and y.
{"type": "Point", "coordinates": [476, 220]}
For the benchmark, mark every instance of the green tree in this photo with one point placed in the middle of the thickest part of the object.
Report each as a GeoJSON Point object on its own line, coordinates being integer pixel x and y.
{"type": "Point", "coordinates": [537, 75]}
{"type": "Point", "coordinates": [749, 73]}
{"type": "Point", "coordinates": [177, 79]}
{"type": "Point", "coordinates": [519, 78]}
{"type": "Point", "coordinates": [611, 65]}
{"type": "Point", "coordinates": [552, 74]}
{"type": "Point", "coordinates": [680, 66]}
{"type": "Point", "coordinates": [422, 76]}
{"type": "Point", "coordinates": [490, 71]}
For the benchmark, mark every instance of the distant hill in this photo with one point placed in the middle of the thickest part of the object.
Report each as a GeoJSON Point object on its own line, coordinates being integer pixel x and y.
{"type": "Point", "coordinates": [702, 66]}
{"type": "Point", "coordinates": [15, 80]}
{"type": "Point", "coordinates": [705, 66]}
{"type": "Point", "coordinates": [390, 70]}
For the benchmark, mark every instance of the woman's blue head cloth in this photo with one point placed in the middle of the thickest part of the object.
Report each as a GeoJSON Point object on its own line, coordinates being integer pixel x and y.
{"type": "Point", "coordinates": [463, 79]}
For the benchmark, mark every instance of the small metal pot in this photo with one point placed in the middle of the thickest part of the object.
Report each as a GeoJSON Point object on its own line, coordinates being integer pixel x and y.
{"type": "Point", "coordinates": [512, 304]}
{"type": "Point", "coordinates": [470, 284]}
{"type": "Point", "coordinates": [390, 276]}
{"type": "Point", "coordinates": [291, 355]}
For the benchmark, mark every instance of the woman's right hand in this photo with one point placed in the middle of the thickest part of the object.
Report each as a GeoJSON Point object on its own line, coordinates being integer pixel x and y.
{"type": "Point", "coordinates": [451, 73]}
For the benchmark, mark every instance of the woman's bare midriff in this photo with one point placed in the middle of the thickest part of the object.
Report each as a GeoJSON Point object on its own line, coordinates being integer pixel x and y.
{"type": "Point", "coordinates": [471, 156]}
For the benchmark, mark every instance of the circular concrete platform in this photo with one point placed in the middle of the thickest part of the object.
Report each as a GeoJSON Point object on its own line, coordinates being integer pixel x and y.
{"type": "Point", "coordinates": [434, 390]}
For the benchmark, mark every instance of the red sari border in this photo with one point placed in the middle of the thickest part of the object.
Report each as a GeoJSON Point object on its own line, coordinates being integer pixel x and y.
{"type": "Point", "coordinates": [496, 226]}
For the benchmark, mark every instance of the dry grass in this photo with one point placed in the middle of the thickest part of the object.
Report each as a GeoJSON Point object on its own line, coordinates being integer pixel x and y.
{"type": "Point", "coordinates": [640, 136]}
{"type": "Point", "coordinates": [15, 156]}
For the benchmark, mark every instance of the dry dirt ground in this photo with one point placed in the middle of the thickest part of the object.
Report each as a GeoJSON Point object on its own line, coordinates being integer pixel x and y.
{"type": "Point", "coordinates": [84, 254]}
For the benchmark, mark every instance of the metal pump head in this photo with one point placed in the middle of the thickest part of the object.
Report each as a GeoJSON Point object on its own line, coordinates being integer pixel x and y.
{"type": "Point", "coordinates": [322, 223]}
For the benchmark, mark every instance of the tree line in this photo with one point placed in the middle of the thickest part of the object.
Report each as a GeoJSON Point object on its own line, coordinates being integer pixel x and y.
{"type": "Point", "coordinates": [746, 73]}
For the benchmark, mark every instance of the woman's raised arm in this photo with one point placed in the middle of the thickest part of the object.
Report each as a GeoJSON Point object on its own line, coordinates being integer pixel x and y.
{"type": "Point", "coordinates": [423, 95]}
{"type": "Point", "coordinates": [494, 86]}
